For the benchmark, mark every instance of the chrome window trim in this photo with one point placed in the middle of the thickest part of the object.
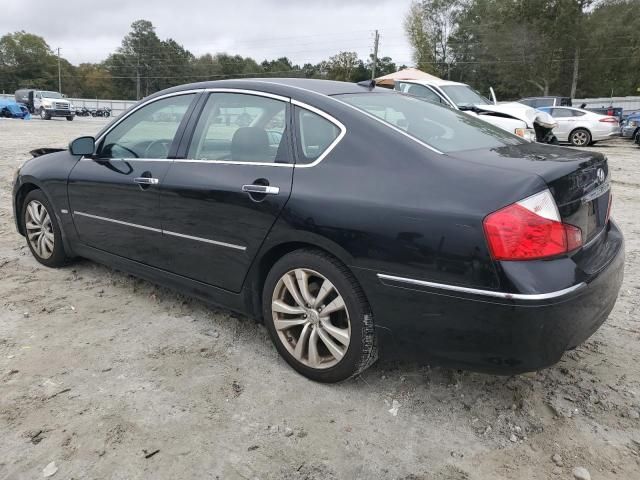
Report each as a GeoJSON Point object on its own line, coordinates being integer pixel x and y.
{"type": "Point", "coordinates": [487, 293]}
{"type": "Point", "coordinates": [360, 111]}
{"type": "Point", "coordinates": [258, 93]}
{"type": "Point", "coordinates": [331, 119]}
{"type": "Point", "coordinates": [158, 230]}
{"type": "Point", "coordinates": [144, 103]}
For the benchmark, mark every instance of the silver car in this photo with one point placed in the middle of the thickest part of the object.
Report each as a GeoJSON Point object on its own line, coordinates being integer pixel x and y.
{"type": "Point", "coordinates": [582, 127]}
{"type": "Point", "coordinates": [631, 126]}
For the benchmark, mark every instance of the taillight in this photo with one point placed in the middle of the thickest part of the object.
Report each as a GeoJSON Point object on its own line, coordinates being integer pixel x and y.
{"type": "Point", "coordinates": [530, 229]}
{"type": "Point", "coordinates": [608, 120]}
{"type": "Point", "coordinates": [609, 207]}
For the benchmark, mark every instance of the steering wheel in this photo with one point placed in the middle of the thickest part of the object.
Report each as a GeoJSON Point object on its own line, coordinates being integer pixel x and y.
{"type": "Point", "coordinates": [157, 149]}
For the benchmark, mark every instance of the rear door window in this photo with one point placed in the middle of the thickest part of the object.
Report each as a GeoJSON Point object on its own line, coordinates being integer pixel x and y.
{"type": "Point", "coordinates": [242, 128]}
{"type": "Point", "coordinates": [561, 113]}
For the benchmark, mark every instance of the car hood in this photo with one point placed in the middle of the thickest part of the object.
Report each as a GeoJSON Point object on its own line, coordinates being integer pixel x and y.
{"type": "Point", "coordinates": [512, 109]}
{"type": "Point", "coordinates": [56, 100]}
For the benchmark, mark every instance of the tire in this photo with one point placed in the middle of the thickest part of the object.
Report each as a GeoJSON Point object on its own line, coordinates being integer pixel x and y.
{"type": "Point", "coordinates": [44, 115]}
{"type": "Point", "coordinates": [54, 256]}
{"type": "Point", "coordinates": [70, 118]}
{"type": "Point", "coordinates": [352, 323]}
{"type": "Point", "coordinates": [580, 137]}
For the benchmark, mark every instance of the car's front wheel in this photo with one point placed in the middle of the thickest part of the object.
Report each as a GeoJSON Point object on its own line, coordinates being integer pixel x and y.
{"type": "Point", "coordinates": [42, 230]}
{"type": "Point", "coordinates": [580, 137]}
{"type": "Point", "coordinates": [44, 115]}
{"type": "Point", "coordinates": [318, 316]}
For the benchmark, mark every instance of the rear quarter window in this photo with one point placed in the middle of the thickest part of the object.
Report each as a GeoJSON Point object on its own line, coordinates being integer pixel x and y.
{"type": "Point", "coordinates": [316, 135]}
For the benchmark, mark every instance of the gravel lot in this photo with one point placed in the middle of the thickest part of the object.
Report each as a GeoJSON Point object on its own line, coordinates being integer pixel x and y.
{"type": "Point", "coordinates": [99, 370]}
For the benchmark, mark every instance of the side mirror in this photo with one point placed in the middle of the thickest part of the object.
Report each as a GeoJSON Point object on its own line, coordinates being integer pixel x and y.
{"type": "Point", "coordinates": [83, 146]}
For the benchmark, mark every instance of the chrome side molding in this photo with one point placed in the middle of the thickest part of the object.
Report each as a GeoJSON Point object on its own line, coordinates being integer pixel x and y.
{"type": "Point", "coordinates": [486, 293]}
{"type": "Point", "coordinates": [164, 232]}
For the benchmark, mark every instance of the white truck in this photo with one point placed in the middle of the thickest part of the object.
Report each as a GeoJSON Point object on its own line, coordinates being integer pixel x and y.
{"type": "Point", "coordinates": [514, 117]}
{"type": "Point", "coordinates": [46, 104]}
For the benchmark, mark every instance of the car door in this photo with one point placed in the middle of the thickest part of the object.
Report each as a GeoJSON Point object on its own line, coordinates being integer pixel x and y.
{"type": "Point", "coordinates": [565, 119]}
{"type": "Point", "coordinates": [114, 196]}
{"type": "Point", "coordinates": [222, 197]}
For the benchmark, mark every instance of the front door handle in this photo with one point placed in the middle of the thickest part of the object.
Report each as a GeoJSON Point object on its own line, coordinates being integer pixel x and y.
{"type": "Point", "coordinates": [264, 189]}
{"type": "Point", "coordinates": [146, 181]}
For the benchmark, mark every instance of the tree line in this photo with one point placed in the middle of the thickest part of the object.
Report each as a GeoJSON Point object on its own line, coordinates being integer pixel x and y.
{"type": "Point", "coordinates": [577, 48]}
{"type": "Point", "coordinates": [144, 64]}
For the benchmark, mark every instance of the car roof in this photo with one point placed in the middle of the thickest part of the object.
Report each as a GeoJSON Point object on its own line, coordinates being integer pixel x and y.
{"type": "Point", "coordinates": [548, 96]}
{"type": "Point", "coordinates": [438, 81]}
{"type": "Point", "coordinates": [322, 87]}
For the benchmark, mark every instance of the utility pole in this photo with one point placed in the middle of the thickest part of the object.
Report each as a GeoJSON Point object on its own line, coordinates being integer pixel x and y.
{"type": "Point", "coordinates": [138, 78]}
{"type": "Point", "coordinates": [59, 73]}
{"type": "Point", "coordinates": [375, 56]}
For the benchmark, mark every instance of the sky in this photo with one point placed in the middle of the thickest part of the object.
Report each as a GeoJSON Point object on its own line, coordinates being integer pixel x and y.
{"type": "Point", "coordinates": [303, 30]}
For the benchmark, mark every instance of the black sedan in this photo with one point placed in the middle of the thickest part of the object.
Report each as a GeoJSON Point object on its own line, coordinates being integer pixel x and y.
{"type": "Point", "coordinates": [345, 217]}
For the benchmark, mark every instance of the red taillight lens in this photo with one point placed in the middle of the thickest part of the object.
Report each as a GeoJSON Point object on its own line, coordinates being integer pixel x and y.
{"type": "Point", "coordinates": [608, 120]}
{"type": "Point", "coordinates": [530, 229]}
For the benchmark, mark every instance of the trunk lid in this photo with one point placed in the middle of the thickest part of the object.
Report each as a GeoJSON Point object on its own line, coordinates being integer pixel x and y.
{"type": "Point", "coordinates": [578, 180]}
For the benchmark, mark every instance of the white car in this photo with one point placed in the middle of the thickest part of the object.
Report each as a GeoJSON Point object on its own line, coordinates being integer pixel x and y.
{"type": "Point", "coordinates": [582, 127]}
{"type": "Point", "coordinates": [511, 116]}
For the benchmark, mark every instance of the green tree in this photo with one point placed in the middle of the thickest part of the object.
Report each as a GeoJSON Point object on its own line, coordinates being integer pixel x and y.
{"type": "Point", "coordinates": [429, 25]}
{"type": "Point", "coordinates": [27, 61]}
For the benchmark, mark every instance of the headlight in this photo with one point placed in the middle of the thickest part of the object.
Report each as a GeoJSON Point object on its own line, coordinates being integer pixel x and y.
{"type": "Point", "coordinates": [633, 123]}
{"type": "Point", "coordinates": [46, 104]}
{"type": "Point", "coordinates": [528, 134]}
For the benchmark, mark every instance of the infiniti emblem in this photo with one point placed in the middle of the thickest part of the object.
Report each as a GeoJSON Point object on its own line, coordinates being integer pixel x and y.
{"type": "Point", "coordinates": [601, 175]}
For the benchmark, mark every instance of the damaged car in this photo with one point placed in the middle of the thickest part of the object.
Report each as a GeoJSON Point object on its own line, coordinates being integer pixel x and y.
{"type": "Point", "coordinates": [516, 118]}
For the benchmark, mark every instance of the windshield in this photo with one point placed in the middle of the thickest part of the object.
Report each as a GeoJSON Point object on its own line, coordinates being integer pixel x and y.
{"type": "Point", "coordinates": [443, 128]}
{"type": "Point", "coordinates": [464, 95]}
{"type": "Point", "coordinates": [50, 95]}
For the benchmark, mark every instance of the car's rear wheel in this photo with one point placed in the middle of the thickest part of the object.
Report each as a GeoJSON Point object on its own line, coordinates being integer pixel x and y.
{"type": "Point", "coordinates": [70, 118]}
{"type": "Point", "coordinates": [580, 137]}
{"type": "Point", "coordinates": [42, 230]}
{"type": "Point", "coordinates": [318, 316]}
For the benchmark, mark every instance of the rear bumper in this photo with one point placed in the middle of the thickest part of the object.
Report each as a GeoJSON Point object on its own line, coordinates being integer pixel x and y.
{"type": "Point", "coordinates": [492, 333]}
{"type": "Point", "coordinates": [598, 135]}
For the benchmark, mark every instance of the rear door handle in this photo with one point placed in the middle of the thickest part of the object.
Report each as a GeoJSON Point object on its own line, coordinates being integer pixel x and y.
{"type": "Point", "coordinates": [264, 189]}
{"type": "Point", "coordinates": [146, 181]}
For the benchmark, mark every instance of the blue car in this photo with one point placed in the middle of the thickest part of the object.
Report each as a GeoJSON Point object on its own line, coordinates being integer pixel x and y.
{"type": "Point", "coordinates": [630, 128]}
{"type": "Point", "coordinates": [11, 109]}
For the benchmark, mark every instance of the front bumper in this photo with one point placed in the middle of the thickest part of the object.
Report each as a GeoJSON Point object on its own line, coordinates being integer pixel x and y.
{"type": "Point", "coordinates": [491, 334]}
{"type": "Point", "coordinates": [60, 113]}
{"type": "Point", "coordinates": [628, 131]}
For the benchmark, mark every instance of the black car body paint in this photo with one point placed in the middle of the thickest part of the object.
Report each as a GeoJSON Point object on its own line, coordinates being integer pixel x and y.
{"type": "Point", "coordinates": [386, 206]}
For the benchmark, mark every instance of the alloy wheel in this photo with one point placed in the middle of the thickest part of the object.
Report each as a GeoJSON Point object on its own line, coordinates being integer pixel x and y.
{"type": "Point", "coordinates": [311, 318]}
{"type": "Point", "coordinates": [580, 138]}
{"type": "Point", "coordinates": [39, 229]}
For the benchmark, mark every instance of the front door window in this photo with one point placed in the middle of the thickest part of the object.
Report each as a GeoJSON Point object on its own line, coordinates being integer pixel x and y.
{"type": "Point", "coordinates": [148, 132]}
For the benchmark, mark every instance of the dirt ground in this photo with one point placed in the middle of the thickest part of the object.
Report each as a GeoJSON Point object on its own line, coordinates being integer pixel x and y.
{"type": "Point", "coordinates": [113, 377]}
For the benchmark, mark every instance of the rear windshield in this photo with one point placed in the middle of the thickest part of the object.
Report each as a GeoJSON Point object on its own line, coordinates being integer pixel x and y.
{"type": "Point", "coordinates": [441, 127]}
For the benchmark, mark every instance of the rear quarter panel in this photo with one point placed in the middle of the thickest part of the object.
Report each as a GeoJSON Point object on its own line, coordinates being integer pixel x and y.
{"type": "Point", "coordinates": [393, 206]}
